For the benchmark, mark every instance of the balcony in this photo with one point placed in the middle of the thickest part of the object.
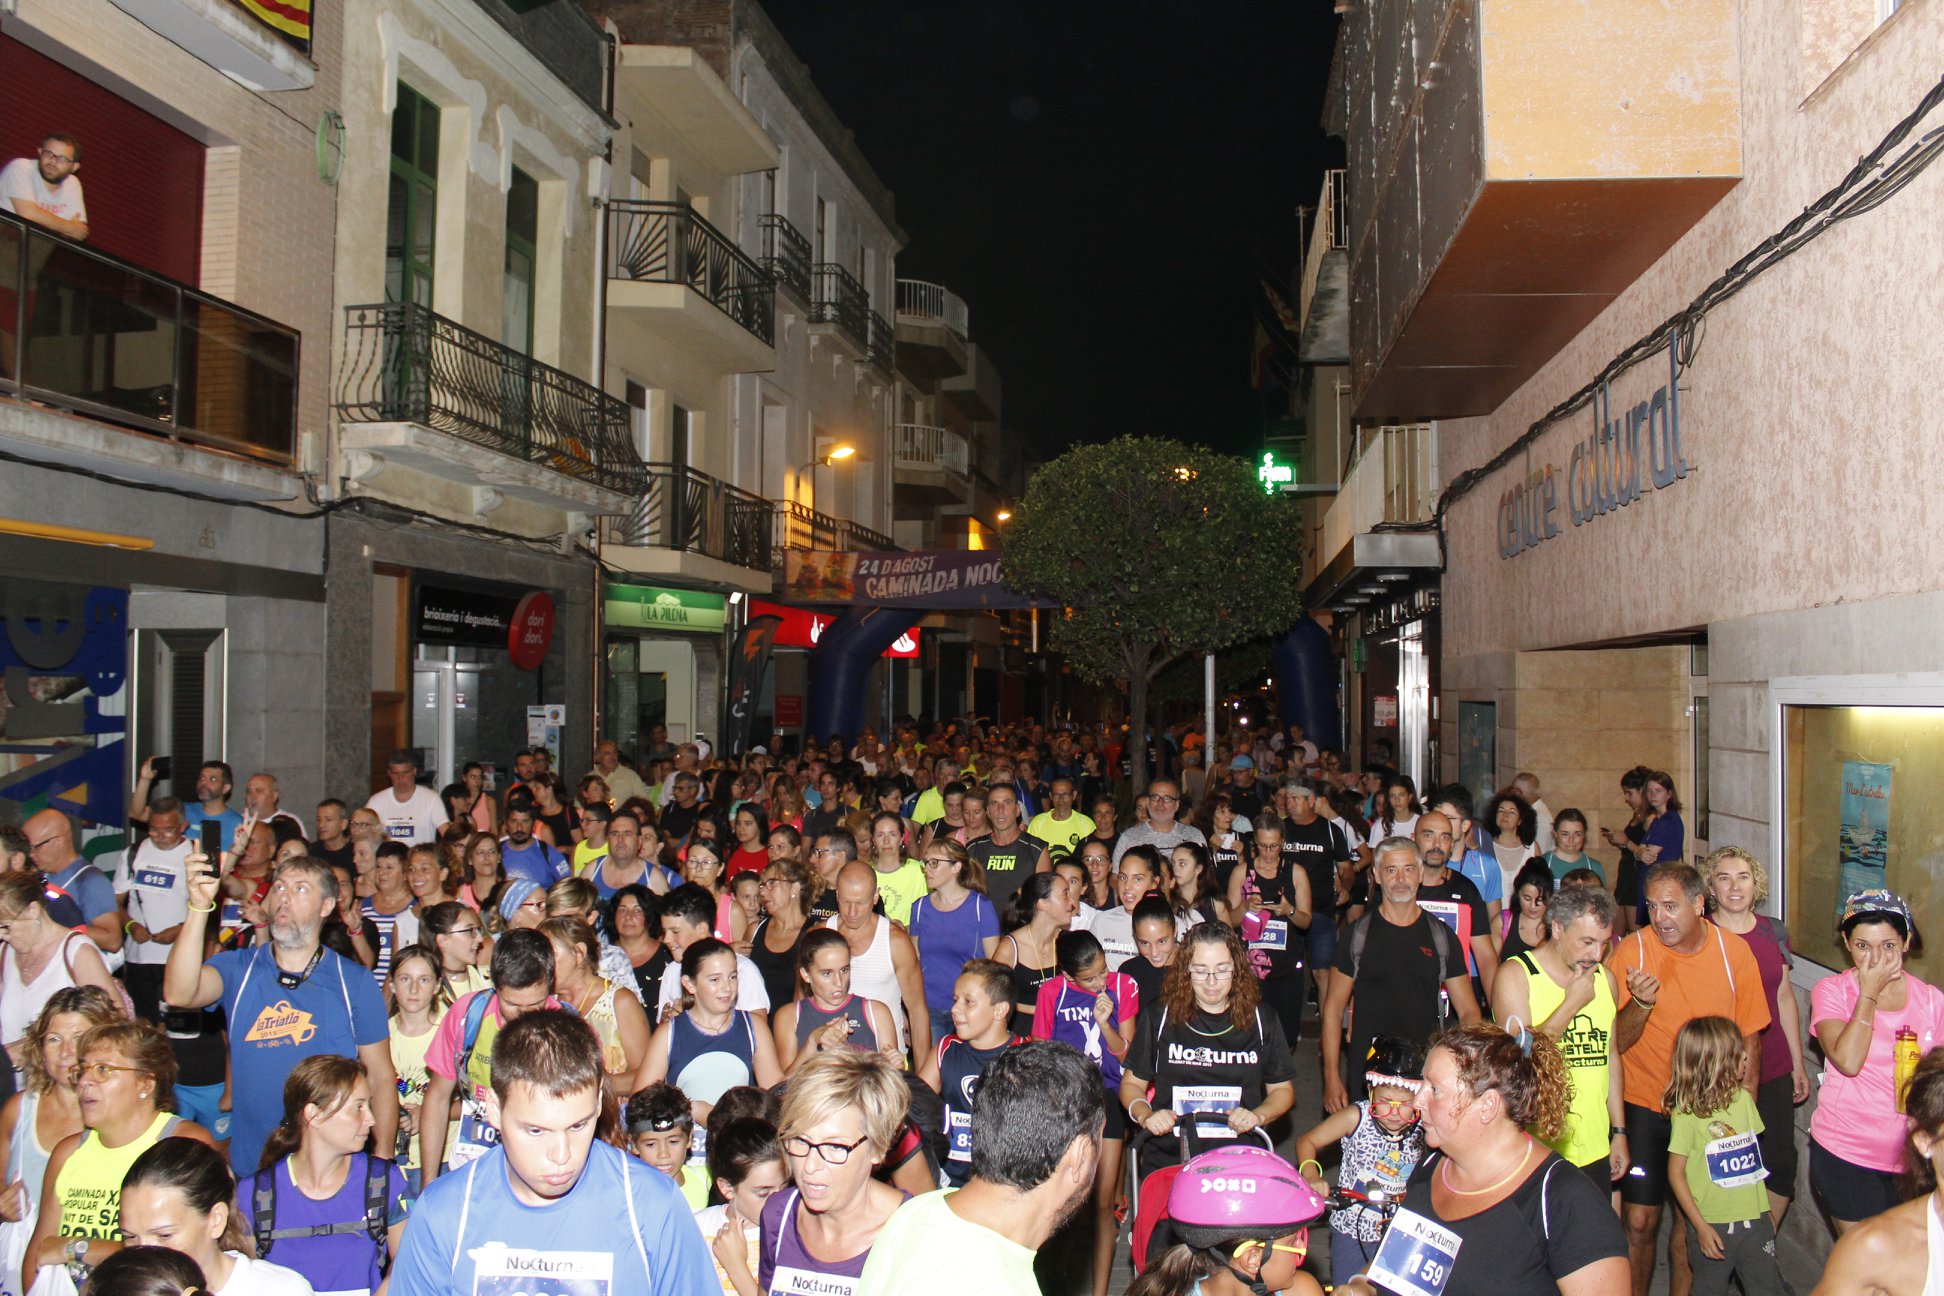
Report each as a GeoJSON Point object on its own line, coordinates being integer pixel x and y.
{"type": "Point", "coordinates": [786, 256]}
{"type": "Point", "coordinates": [1323, 305]}
{"type": "Point", "coordinates": [1391, 479]}
{"type": "Point", "coordinates": [677, 283]}
{"type": "Point", "coordinates": [96, 335]}
{"type": "Point", "coordinates": [883, 348]}
{"type": "Point", "coordinates": [933, 325]}
{"type": "Point", "coordinates": [798, 526]}
{"type": "Point", "coordinates": [977, 392]}
{"type": "Point", "coordinates": [685, 522]}
{"type": "Point", "coordinates": [1513, 173]}
{"type": "Point", "coordinates": [230, 39]}
{"type": "Point", "coordinates": [672, 90]}
{"type": "Point", "coordinates": [419, 390]}
{"type": "Point", "coordinates": [929, 466]}
{"type": "Point", "coordinates": [840, 309]}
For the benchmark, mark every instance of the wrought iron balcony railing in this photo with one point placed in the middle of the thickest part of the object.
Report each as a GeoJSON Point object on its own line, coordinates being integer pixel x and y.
{"type": "Point", "coordinates": [681, 508]}
{"type": "Point", "coordinates": [404, 364]}
{"type": "Point", "coordinates": [884, 345]}
{"type": "Point", "coordinates": [786, 255]}
{"type": "Point", "coordinates": [839, 299]}
{"type": "Point", "coordinates": [86, 331]}
{"type": "Point", "coordinates": [798, 526]}
{"type": "Point", "coordinates": [665, 242]}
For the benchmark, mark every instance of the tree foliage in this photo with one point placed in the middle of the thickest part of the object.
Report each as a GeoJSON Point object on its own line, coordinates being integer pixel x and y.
{"type": "Point", "coordinates": [1156, 549]}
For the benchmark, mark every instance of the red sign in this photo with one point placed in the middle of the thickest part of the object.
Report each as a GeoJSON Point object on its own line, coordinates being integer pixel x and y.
{"type": "Point", "coordinates": [789, 710]}
{"type": "Point", "coordinates": [802, 628]}
{"type": "Point", "coordinates": [532, 631]}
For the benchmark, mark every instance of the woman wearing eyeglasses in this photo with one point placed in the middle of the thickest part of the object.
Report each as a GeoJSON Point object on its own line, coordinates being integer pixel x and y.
{"type": "Point", "coordinates": [785, 896]}
{"type": "Point", "coordinates": [125, 1083]}
{"type": "Point", "coordinates": [1210, 1053]}
{"type": "Point", "coordinates": [843, 1113]}
{"type": "Point", "coordinates": [953, 923]}
{"type": "Point", "coordinates": [458, 935]}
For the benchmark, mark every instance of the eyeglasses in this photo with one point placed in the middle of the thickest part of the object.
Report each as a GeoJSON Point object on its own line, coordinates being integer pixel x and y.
{"type": "Point", "coordinates": [947, 862]}
{"type": "Point", "coordinates": [1392, 1106]}
{"type": "Point", "coordinates": [102, 1071]}
{"type": "Point", "coordinates": [36, 845]}
{"type": "Point", "coordinates": [832, 1153]}
{"type": "Point", "coordinates": [1162, 800]}
{"type": "Point", "coordinates": [51, 156]}
{"type": "Point", "coordinates": [1211, 974]}
{"type": "Point", "coordinates": [466, 931]}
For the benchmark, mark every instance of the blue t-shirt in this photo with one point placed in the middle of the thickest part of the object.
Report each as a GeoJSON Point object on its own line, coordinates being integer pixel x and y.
{"type": "Point", "coordinates": [336, 1263]}
{"type": "Point", "coordinates": [336, 1009]}
{"type": "Point", "coordinates": [1481, 867]}
{"type": "Point", "coordinates": [948, 940]}
{"type": "Point", "coordinates": [536, 861]}
{"type": "Point", "coordinates": [230, 819]}
{"type": "Point", "coordinates": [89, 886]}
{"type": "Point", "coordinates": [622, 1230]}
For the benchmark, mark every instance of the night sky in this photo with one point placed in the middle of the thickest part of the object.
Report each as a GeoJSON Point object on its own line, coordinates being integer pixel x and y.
{"type": "Point", "coordinates": [1103, 184]}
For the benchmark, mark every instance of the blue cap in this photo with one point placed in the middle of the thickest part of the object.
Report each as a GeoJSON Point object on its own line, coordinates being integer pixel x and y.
{"type": "Point", "coordinates": [518, 892]}
{"type": "Point", "coordinates": [1242, 762]}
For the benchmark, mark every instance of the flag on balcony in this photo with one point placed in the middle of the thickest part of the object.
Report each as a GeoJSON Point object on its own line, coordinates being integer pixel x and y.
{"type": "Point", "coordinates": [290, 19]}
{"type": "Point", "coordinates": [1260, 356]}
{"type": "Point", "coordinates": [1285, 316]}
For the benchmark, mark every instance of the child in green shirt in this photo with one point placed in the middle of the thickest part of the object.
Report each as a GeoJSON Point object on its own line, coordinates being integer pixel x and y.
{"type": "Point", "coordinates": [1714, 1162]}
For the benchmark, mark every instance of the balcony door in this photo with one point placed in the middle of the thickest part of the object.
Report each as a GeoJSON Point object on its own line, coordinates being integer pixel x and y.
{"type": "Point", "coordinates": [411, 218]}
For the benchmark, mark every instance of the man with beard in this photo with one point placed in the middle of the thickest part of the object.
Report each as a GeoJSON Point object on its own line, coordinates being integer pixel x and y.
{"type": "Point", "coordinates": [1037, 1118]}
{"type": "Point", "coordinates": [523, 855]}
{"type": "Point", "coordinates": [285, 1001]}
{"type": "Point", "coordinates": [1564, 989]}
{"type": "Point", "coordinates": [1452, 896]}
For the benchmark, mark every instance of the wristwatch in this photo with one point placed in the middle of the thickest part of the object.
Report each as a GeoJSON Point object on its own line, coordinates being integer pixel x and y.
{"type": "Point", "coordinates": [75, 1250]}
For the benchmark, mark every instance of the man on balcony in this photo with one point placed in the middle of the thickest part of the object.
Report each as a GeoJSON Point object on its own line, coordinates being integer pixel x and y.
{"type": "Point", "coordinates": [45, 190]}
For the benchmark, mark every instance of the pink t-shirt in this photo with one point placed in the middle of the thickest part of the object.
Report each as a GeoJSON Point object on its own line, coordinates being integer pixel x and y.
{"type": "Point", "coordinates": [1856, 1116]}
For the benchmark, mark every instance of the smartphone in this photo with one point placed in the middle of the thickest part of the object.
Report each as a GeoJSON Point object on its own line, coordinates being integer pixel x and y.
{"type": "Point", "coordinates": [161, 765]}
{"type": "Point", "coordinates": [212, 840]}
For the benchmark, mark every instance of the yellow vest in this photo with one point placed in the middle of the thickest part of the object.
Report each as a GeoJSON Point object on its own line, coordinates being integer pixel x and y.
{"type": "Point", "coordinates": [1585, 1047]}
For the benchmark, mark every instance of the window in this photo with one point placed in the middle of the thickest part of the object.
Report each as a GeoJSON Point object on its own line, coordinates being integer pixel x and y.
{"type": "Point", "coordinates": [412, 211]}
{"type": "Point", "coordinates": [522, 232]}
{"type": "Point", "coordinates": [1858, 811]}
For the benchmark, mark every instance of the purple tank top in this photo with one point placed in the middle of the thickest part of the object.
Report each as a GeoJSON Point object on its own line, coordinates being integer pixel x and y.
{"type": "Point", "coordinates": [786, 1267]}
{"type": "Point", "coordinates": [863, 1036]}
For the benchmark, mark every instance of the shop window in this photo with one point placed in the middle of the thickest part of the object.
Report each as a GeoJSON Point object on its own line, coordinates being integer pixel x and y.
{"type": "Point", "coordinates": [1859, 811]}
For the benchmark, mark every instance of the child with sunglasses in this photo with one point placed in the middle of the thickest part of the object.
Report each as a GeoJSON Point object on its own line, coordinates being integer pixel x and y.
{"type": "Point", "coordinates": [1381, 1142]}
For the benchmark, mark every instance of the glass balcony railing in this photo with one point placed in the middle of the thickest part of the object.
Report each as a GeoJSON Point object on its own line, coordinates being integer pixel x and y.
{"type": "Point", "coordinates": [404, 364]}
{"type": "Point", "coordinates": [86, 331]}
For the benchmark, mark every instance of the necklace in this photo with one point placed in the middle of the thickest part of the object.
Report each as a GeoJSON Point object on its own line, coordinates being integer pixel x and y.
{"type": "Point", "coordinates": [1444, 1173]}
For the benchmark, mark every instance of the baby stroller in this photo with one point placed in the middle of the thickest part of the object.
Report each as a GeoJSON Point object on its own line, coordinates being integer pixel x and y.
{"type": "Point", "coordinates": [1148, 1197]}
{"type": "Point", "coordinates": [1242, 1190]}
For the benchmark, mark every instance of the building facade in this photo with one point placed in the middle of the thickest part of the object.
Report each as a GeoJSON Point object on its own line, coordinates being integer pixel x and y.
{"type": "Point", "coordinates": [1686, 521]}
{"type": "Point", "coordinates": [163, 401]}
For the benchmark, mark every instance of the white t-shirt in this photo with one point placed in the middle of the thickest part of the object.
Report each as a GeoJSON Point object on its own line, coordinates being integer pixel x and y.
{"type": "Point", "coordinates": [750, 994]}
{"type": "Point", "coordinates": [261, 1278]}
{"type": "Point", "coordinates": [1402, 828]}
{"type": "Point", "coordinates": [1544, 814]}
{"type": "Point", "coordinates": [416, 819]}
{"type": "Point", "coordinates": [21, 178]}
{"type": "Point", "coordinates": [158, 895]}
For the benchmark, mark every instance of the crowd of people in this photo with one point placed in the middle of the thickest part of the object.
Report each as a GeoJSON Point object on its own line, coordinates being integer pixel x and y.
{"type": "Point", "coordinates": [893, 1017]}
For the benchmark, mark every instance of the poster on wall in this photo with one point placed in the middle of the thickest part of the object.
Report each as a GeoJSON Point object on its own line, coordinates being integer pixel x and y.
{"type": "Point", "coordinates": [1865, 849]}
{"type": "Point", "coordinates": [543, 728]}
{"type": "Point", "coordinates": [63, 701]}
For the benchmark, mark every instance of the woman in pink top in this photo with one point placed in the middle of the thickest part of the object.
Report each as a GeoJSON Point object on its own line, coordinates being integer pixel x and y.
{"type": "Point", "coordinates": [1856, 1138]}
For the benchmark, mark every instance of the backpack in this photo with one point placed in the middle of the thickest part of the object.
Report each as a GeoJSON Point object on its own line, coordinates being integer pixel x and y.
{"type": "Point", "coordinates": [373, 1224]}
{"type": "Point", "coordinates": [469, 1032]}
{"type": "Point", "coordinates": [1440, 938]}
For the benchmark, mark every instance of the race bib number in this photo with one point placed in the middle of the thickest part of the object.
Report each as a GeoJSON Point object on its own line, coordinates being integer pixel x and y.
{"type": "Point", "coordinates": [803, 1282]}
{"type": "Point", "coordinates": [477, 1137]}
{"type": "Point", "coordinates": [500, 1270]}
{"type": "Point", "coordinates": [1415, 1257]}
{"type": "Point", "coordinates": [1274, 938]}
{"type": "Point", "coordinates": [155, 879]}
{"type": "Point", "coordinates": [958, 1134]}
{"type": "Point", "coordinates": [1445, 911]}
{"type": "Point", "coordinates": [1207, 1106]}
{"type": "Point", "coordinates": [1735, 1161]}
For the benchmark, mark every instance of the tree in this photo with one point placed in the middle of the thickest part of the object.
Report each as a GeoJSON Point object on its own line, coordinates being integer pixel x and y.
{"type": "Point", "coordinates": [1156, 549]}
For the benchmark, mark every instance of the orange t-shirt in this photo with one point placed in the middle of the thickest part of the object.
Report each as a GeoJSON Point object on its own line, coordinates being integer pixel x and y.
{"type": "Point", "coordinates": [1720, 980]}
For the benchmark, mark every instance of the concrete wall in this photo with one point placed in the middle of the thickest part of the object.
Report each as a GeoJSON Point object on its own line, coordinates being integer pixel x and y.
{"type": "Point", "coordinates": [1803, 408]}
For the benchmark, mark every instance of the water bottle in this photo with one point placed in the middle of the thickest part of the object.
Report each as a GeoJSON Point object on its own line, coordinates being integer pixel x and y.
{"type": "Point", "coordinates": [1907, 1053]}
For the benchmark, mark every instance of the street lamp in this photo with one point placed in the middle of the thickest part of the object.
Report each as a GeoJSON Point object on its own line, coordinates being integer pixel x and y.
{"type": "Point", "coordinates": [1005, 515]}
{"type": "Point", "coordinates": [835, 454]}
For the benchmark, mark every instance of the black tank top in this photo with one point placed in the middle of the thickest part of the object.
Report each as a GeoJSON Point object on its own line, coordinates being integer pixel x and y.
{"type": "Point", "coordinates": [779, 970]}
{"type": "Point", "coordinates": [1026, 983]}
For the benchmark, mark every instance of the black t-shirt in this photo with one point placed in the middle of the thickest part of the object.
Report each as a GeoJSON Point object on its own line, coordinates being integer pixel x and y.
{"type": "Point", "coordinates": [1552, 1226]}
{"type": "Point", "coordinates": [1206, 1063]}
{"type": "Point", "coordinates": [1318, 849]}
{"type": "Point", "coordinates": [342, 855]}
{"type": "Point", "coordinates": [676, 823]}
{"type": "Point", "coordinates": [1397, 983]}
{"type": "Point", "coordinates": [1006, 867]}
{"type": "Point", "coordinates": [1457, 902]}
{"type": "Point", "coordinates": [1247, 801]}
{"type": "Point", "coordinates": [1283, 941]}
{"type": "Point", "coordinates": [1147, 978]}
{"type": "Point", "coordinates": [1223, 859]}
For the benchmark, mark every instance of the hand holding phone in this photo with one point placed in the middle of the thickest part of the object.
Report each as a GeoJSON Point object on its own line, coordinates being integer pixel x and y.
{"type": "Point", "coordinates": [202, 881]}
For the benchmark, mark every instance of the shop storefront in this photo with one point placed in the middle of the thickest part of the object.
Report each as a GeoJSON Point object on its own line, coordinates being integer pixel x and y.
{"type": "Point", "coordinates": [662, 652]}
{"type": "Point", "coordinates": [479, 669]}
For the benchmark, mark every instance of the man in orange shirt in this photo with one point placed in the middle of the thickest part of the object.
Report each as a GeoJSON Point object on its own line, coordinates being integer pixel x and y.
{"type": "Point", "coordinates": [1683, 968]}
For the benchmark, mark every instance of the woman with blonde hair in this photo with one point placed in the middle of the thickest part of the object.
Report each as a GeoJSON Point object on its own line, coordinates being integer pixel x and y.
{"type": "Point", "coordinates": [1737, 883]}
{"type": "Point", "coordinates": [1528, 1224]}
{"type": "Point", "coordinates": [843, 1114]}
{"type": "Point", "coordinates": [616, 1015]}
{"type": "Point", "coordinates": [36, 1119]}
{"type": "Point", "coordinates": [125, 1084]}
{"type": "Point", "coordinates": [38, 956]}
{"type": "Point", "coordinates": [315, 1179]}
